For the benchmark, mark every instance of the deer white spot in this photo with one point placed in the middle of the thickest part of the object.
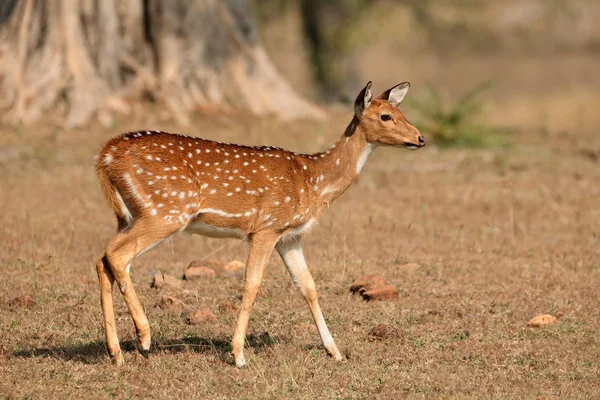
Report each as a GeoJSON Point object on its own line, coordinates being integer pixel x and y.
{"type": "Point", "coordinates": [204, 186]}
{"type": "Point", "coordinates": [276, 203]}
{"type": "Point", "coordinates": [190, 155]}
{"type": "Point", "coordinates": [245, 164]}
{"type": "Point", "coordinates": [208, 150]}
{"type": "Point", "coordinates": [229, 194]}
{"type": "Point", "coordinates": [287, 199]}
{"type": "Point", "coordinates": [107, 159]}
{"type": "Point", "coordinates": [238, 189]}
{"type": "Point", "coordinates": [225, 184]}
{"type": "Point", "coordinates": [304, 167]}
{"type": "Point", "coordinates": [237, 156]}
{"type": "Point", "coordinates": [153, 211]}
{"type": "Point", "coordinates": [160, 205]}
{"type": "Point", "coordinates": [301, 190]}
{"type": "Point", "coordinates": [213, 191]}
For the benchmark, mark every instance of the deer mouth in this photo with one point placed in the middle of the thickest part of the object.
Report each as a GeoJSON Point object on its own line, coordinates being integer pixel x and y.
{"type": "Point", "coordinates": [412, 146]}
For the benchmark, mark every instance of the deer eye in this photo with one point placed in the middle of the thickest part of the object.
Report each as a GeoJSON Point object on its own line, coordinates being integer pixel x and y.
{"type": "Point", "coordinates": [386, 117]}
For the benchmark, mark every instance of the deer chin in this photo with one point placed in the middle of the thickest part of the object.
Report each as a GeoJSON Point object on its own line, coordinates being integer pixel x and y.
{"type": "Point", "coordinates": [412, 146]}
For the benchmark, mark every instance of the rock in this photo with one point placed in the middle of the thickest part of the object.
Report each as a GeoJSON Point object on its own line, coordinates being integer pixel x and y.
{"type": "Point", "coordinates": [365, 282]}
{"type": "Point", "coordinates": [383, 331]}
{"type": "Point", "coordinates": [373, 287]}
{"type": "Point", "coordinates": [160, 281]}
{"type": "Point", "coordinates": [228, 307]}
{"type": "Point", "coordinates": [200, 316]}
{"type": "Point", "coordinates": [382, 292]}
{"type": "Point", "coordinates": [200, 272]}
{"type": "Point", "coordinates": [542, 320]}
{"type": "Point", "coordinates": [22, 302]}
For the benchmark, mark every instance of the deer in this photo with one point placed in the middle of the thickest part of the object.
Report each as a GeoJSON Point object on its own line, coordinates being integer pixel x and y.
{"type": "Point", "coordinates": [160, 183]}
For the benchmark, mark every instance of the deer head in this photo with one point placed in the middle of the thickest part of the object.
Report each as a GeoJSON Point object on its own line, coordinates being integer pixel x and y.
{"type": "Point", "coordinates": [381, 121]}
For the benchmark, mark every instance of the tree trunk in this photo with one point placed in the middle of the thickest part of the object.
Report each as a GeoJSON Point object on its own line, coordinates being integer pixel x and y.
{"type": "Point", "coordinates": [87, 56]}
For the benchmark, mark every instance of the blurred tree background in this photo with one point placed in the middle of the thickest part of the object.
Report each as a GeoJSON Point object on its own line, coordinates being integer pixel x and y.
{"type": "Point", "coordinates": [521, 64]}
{"type": "Point", "coordinates": [536, 59]}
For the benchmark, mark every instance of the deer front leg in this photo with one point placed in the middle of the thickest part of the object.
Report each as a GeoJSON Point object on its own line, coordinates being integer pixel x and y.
{"type": "Point", "coordinates": [293, 258]}
{"type": "Point", "coordinates": [261, 247]}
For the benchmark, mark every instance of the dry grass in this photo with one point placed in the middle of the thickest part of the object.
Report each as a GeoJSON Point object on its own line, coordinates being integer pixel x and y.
{"type": "Point", "coordinates": [500, 236]}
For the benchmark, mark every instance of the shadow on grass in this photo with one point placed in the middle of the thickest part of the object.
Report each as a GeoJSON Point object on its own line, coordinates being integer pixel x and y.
{"type": "Point", "coordinates": [95, 352]}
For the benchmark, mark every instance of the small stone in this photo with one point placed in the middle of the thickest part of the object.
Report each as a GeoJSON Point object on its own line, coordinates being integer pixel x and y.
{"type": "Point", "coordinates": [160, 281]}
{"type": "Point", "coordinates": [383, 331]}
{"type": "Point", "coordinates": [200, 316]}
{"type": "Point", "coordinates": [22, 302]}
{"type": "Point", "coordinates": [381, 292]}
{"type": "Point", "coordinates": [201, 272]}
{"type": "Point", "coordinates": [364, 282]}
{"type": "Point", "coordinates": [541, 320]}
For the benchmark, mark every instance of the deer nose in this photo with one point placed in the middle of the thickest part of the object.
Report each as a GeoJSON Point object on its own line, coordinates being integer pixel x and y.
{"type": "Point", "coordinates": [421, 140]}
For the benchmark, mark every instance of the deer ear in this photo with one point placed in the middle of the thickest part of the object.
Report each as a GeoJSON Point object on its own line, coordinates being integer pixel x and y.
{"type": "Point", "coordinates": [363, 101]}
{"type": "Point", "coordinates": [396, 94]}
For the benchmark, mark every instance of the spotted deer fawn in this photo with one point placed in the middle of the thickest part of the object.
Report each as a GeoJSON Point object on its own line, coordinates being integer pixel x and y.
{"type": "Point", "coordinates": [160, 183]}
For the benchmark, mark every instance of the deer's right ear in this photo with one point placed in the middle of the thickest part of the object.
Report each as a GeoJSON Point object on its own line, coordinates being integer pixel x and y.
{"type": "Point", "coordinates": [363, 101]}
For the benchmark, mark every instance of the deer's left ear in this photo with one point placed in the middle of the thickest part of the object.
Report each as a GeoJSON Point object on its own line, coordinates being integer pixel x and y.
{"type": "Point", "coordinates": [363, 101]}
{"type": "Point", "coordinates": [396, 94]}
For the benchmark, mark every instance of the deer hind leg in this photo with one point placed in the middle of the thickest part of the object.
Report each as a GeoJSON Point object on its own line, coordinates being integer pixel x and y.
{"type": "Point", "coordinates": [106, 280]}
{"type": "Point", "coordinates": [120, 253]}
{"type": "Point", "coordinates": [293, 258]}
{"type": "Point", "coordinates": [261, 247]}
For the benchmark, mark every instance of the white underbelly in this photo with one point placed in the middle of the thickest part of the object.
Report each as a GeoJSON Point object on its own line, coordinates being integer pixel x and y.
{"type": "Point", "coordinates": [204, 229]}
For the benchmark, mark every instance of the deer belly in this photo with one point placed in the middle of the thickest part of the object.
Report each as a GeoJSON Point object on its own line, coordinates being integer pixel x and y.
{"type": "Point", "coordinates": [216, 226]}
{"type": "Point", "coordinates": [204, 229]}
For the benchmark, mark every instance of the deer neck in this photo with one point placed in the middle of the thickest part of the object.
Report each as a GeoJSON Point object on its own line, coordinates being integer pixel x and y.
{"type": "Point", "coordinates": [337, 168]}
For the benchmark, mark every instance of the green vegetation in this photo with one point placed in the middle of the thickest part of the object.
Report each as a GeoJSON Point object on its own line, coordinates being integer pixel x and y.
{"type": "Point", "coordinates": [458, 124]}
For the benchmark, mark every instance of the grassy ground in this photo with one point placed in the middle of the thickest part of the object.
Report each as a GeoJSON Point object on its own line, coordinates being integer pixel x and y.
{"type": "Point", "coordinates": [500, 235]}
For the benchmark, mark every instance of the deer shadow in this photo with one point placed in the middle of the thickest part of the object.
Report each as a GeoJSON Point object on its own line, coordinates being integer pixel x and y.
{"type": "Point", "coordinates": [95, 352]}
